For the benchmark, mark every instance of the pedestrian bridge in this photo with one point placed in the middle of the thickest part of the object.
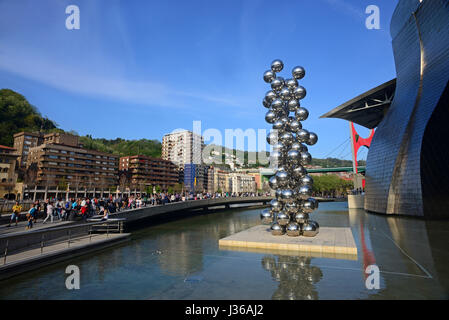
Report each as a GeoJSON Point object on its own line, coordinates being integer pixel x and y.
{"type": "Point", "coordinates": [185, 206]}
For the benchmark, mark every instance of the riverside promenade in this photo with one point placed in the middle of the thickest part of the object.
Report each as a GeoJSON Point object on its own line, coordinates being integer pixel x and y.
{"type": "Point", "coordinates": [24, 250]}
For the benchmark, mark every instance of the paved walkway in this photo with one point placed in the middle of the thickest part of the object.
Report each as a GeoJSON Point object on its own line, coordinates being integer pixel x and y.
{"type": "Point", "coordinates": [4, 229]}
{"type": "Point", "coordinates": [59, 247]}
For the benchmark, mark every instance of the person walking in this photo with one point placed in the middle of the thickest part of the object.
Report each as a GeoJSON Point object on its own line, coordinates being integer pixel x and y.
{"type": "Point", "coordinates": [16, 209]}
{"type": "Point", "coordinates": [30, 217]}
{"type": "Point", "coordinates": [50, 209]}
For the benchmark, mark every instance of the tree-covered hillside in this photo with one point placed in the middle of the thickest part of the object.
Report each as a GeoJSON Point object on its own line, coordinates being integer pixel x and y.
{"type": "Point", "coordinates": [17, 114]}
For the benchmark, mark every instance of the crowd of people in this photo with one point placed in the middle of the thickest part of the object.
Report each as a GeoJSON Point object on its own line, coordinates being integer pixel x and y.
{"type": "Point", "coordinates": [84, 208]}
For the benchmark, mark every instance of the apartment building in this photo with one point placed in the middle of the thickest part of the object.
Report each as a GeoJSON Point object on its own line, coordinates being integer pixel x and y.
{"type": "Point", "coordinates": [222, 181]}
{"type": "Point", "coordinates": [242, 183]}
{"type": "Point", "coordinates": [8, 176]}
{"type": "Point", "coordinates": [182, 147]}
{"type": "Point", "coordinates": [148, 171]}
{"type": "Point", "coordinates": [23, 142]}
{"type": "Point", "coordinates": [62, 160]}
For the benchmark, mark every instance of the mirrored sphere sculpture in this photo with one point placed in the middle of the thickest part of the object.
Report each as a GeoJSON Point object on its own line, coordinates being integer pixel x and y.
{"type": "Point", "coordinates": [289, 211]}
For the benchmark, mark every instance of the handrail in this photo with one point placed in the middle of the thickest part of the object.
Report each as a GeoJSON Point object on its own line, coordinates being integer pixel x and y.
{"type": "Point", "coordinates": [46, 230]}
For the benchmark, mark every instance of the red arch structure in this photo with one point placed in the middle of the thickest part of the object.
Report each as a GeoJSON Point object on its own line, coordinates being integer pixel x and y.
{"type": "Point", "coordinates": [357, 142]}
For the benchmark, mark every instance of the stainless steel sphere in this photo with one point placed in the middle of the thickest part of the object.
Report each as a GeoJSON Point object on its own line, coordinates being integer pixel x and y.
{"type": "Point", "coordinates": [307, 180]}
{"type": "Point", "coordinates": [295, 146]}
{"type": "Point", "coordinates": [301, 217]}
{"type": "Point", "coordinates": [293, 229]}
{"type": "Point", "coordinates": [305, 192]}
{"type": "Point", "coordinates": [291, 207]}
{"type": "Point", "coordinates": [309, 205]}
{"type": "Point", "coordinates": [285, 94]}
{"type": "Point", "coordinates": [277, 65]}
{"type": "Point", "coordinates": [277, 230]}
{"type": "Point", "coordinates": [302, 135]}
{"type": "Point", "coordinates": [294, 125]}
{"type": "Point", "coordinates": [282, 218]}
{"type": "Point", "coordinates": [298, 72]}
{"type": "Point", "coordinates": [299, 92]}
{"type": "Point", "coordinates": [266, 216]}
{"type": "Point", "coordinates": [272, 137]}
{"type": "Point", "coordinates": [287, 195]}
{"type": "Point", "coordinates": [276, 84]}
{"type": "Point", "coordinates": [269, 76]}
{"type": "Point", "coordinates": [270, 116]}
{"type": "Point", "coordinates": [293, 157]}
{"type": "Point", "coordinates": [313, 138]}
{"type": "Point", "coordinates": [310, 229]}
{"type": "Point", "coordinates": [306, 158]}
{"type": "Point", "coordinates": [278, 124]}
{"type": "Point", "coordinates": [302, 114]}
{"type": "Point", "coordinates": [270, 96]}
{"type": "Point", "coordinates": [299, 171]}
{"type": "Point", "coordinates": [278, 193]}
{"type": "Point", "coordinates": [280, 146]}
{"type": "Point", "coordinates": [304, 148]}
{"type": "Point", "coordinates": [276, 205]}
{"type": "Point", "coordinates": [293, 105]}
{"type": "Point", "coordinates": [277, 105]}
{"type": "Point", "coordinates": [286, 138]}
{"type": "Point", "coordinates": [276, 156]}
{"type": "Point", "coordinates": [266, 104]}
{"type": "Point", "coordinates": [291, 84]}
{"type": "Point", "coordinates": [273, 183]}
{"type": "Point", "coordinates": [282, 178]}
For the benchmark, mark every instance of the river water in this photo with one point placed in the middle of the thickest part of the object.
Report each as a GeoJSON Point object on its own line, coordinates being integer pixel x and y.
{"type": "Point", "coordinates": [182, 260]}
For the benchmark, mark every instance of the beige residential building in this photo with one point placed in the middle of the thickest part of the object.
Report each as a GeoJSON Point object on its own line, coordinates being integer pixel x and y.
{"type": "Point", "coordinates": [23, 141]}
{"type": "Point", "coordinates": [8, 176]}
{"type": "Point", "coordinates": [222, 181]}
{"type": "Point", "coordinates": [183, 147]}
{"type": "Point", "coordinates": [242, 183]}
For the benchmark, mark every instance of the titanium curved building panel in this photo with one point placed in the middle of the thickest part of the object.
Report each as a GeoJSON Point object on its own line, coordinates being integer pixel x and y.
{"type": "Point", "coordinates": [394, 181]}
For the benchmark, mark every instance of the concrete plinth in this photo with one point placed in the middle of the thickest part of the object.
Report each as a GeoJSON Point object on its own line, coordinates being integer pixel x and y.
{"type": "Point", "coordinates": [329, 242]}
{"type": "Point", "coordinates": [356, 201]}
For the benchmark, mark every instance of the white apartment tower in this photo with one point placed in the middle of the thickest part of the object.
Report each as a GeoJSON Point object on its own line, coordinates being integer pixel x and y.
{"type": "Point", "coordinates": [182, 147]}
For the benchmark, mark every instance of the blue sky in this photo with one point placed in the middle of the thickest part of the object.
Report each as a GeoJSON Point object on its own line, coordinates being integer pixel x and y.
{"type": "Point", "coordinates": [140, 69]}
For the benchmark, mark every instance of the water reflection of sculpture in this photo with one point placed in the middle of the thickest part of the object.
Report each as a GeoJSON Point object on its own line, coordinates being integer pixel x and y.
{"type": "Point", "coordinates": [295, 275]}
{"type": "Point", "coordinates": [290, 210]}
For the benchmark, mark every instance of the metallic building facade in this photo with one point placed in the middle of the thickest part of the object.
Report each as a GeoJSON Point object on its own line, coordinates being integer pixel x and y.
{"type": "Point", "coordinates": [407, 169]}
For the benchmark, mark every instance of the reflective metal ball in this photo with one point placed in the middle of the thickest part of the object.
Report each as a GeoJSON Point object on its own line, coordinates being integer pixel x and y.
{"type": "Point", "coordinates": [270, 96]}
{"type": "Point", "coordinates": [293, 229]}
{"type": "Point", "coordinates": [299, 171]}
{"type": "Point", "coordinates": [277, 65]}
{"type": "Point", "coordinates": [276, 205]}
{"type": "Point", "coordinates": [293, 157]}
{"type": "Point", "coordinates": [273, 183]}
{"type": "Point", "coordinates": [278, 124]}
{"type": "Point", "coordinates": [310, 229]}
{"type": "Point", "coordinates": [313, 138]}
{"type": "Point", "coordinates": [307, 181]}
{"type": "Point", "coordinates": [293, 105]}
{"type": "Point", "coordinates": [277, 104]}
{"type": "Point", "coordinates": [299, 92]}
{"type": "Point", "coordinates": [309, 205]}
{"type": "Point", "coordinates": [285, 94]}
{"type": "Point", "coordinates": [272, 137]}
{"type": "Point", "coordinates": [294, 125]}
{"type": "Point", "coordinates": [282, 178]}
{"type": "Point", "coordinates": [298, 72]}
{"type": "Point", "coordinates": [266, 104]}
{"type": "Point", "coordinates": [306, 158]}
{"type": "Point", "coordinates": [266, 216]}
{"type": "Point", "coordinates": [302, 135]}
{"type": "Point", "coordinates": [305, 192]}
{"type": "Point", "coordinates": [301, 114]}
{"type": "Point", "coordinates": [287, 195]}
{"type": "Point", "coordinates": [291, 84]}
{"type": "Point", "coordinates": [291, 207]}
{"type": "Point", "coordinates": [269, 76]}
{"type": "Point", "coordinates": [277, 230]}
{"type": "Point", "coordinates": [270, 116]}
{"type": "Point", "coordinates": [282, 218]}
{"type": "Point", "coordinates": [301, 217]}
{"type": "Point", "coordinates": [286, 138]}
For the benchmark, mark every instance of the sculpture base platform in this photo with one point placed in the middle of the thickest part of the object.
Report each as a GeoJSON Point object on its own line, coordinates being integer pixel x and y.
{"type": "Point", "coordinates": [328, 243]}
